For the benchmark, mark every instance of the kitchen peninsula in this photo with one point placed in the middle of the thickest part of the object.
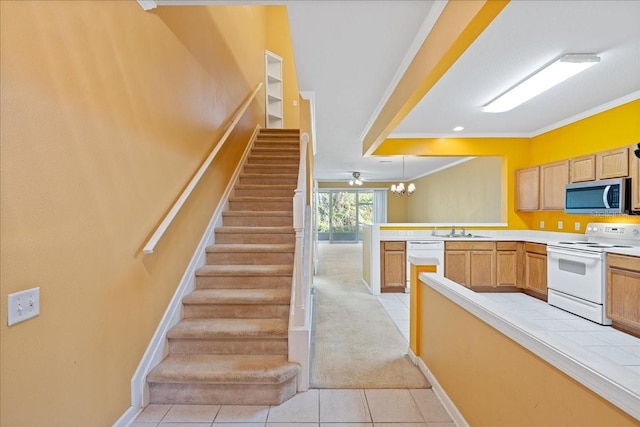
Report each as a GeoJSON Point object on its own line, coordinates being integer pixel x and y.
{"type": "Point", "coordinates": [528, 350]}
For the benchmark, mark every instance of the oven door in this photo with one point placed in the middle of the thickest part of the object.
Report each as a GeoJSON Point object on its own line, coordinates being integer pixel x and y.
{"type": "Point", "coordinates": [576, 273]}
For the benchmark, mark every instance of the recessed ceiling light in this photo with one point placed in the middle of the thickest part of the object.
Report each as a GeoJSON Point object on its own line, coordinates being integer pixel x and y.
{"type": "Point", "coordinates": [384, 161]}
{"type": "Point", "coordinates": [458, 128]}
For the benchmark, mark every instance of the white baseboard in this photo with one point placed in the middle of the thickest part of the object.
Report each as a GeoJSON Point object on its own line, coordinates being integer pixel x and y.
{"type": "Point", "coordinates": [158, 346]}
{"type": "Point", "coordinates": [442, 395]}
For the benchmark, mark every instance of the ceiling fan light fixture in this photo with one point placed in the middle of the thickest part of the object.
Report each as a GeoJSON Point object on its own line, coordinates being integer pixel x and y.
{"type": "Point", "coordinates": [356, 179]}
{"type": "Point", "coordinates": [556, 72]}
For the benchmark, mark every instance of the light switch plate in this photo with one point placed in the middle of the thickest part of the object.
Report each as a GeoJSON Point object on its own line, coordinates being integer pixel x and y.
{"type": "Point", "coordinates": [576, 226]}
{"type": "Point", "coordinates": [541, 224]}
{"type": "Point", "coordinates": [23, 305]}
{"type": "Point", "coordinates": [560, 225]}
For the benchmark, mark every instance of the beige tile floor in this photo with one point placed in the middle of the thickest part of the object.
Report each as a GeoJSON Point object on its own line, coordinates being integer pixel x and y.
{"type": "Point", "coordinates": [314, 408]}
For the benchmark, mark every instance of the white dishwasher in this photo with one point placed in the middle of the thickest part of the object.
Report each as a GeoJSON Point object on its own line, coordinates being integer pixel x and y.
{"type": "Point", "coordinates": [425, 248]}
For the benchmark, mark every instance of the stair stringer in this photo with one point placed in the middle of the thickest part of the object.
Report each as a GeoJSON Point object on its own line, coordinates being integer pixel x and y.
{"type": "Point", "coordinates": [157, 349]}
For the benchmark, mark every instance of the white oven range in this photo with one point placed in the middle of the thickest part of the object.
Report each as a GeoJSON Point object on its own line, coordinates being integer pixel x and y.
{"type": "Point", "coordinates": [576, 270]}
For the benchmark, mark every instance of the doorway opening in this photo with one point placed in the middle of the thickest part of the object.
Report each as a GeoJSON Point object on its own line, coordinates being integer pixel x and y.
{"type": "Point", "coordinates": [341, 213]}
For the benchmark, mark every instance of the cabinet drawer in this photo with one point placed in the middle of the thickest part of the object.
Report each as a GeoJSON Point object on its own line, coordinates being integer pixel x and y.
{"type": "Point", "coordinates": [624, 262]}
{"type": "Point", "coordinates": [393, 246]}
{"type": "Point", "coordinates": [470, 246]}
{"type": "Point", "coordinates": [506, 246]}
{"type": "Point", "coordinates": [536, 248]}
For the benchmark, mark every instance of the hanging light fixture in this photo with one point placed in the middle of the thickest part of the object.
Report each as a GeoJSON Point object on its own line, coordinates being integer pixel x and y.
{"type": "Point", "coordinates": [356, 179]}
{"type": "Point", "coordinates": [399, 190]}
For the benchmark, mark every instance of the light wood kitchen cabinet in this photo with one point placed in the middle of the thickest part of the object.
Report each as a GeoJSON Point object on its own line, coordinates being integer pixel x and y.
{"type": "Point", "coordinates": [634, 172]}
{"type": "Point", "coordinates": [612, 164]}
{"type": "Point", "coordinates": [527, 189]}
{"type": "Point", "coordinates": [553, 178]}
{"type": "Point", "coordinates": [456, 266]}
{"type": "Point", "coordinates": [623, 292]}
{"type": "Point", "coordinates": [535, 265]}
{"type": "Point", "coordinates": [583, 168]}
{"type": "Point", "coordinates": [471, 264]}
{"type": "Point", "coordinates": [507, 256]}
{"type": "Point", "coordinates": [393, 269]}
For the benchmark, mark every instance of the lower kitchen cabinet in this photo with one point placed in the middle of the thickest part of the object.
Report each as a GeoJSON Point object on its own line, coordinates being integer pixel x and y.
{"type": "Point", "coordinates": [507, 257]}
{"type": "Point", "coordinates": [535, 267]}
{"type": "Point", "coordinates": [623, 292]}
{"type": "Point", "coordinates": [471, 264]}
{"type": "Point", "coordinates": [393, 269]}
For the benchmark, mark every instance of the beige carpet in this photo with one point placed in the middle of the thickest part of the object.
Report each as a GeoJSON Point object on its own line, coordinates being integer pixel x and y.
{"type": "Point", "coordinates": [355, 344]}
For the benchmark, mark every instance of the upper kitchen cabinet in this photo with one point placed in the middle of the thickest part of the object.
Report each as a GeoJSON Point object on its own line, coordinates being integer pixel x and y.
{"type": "Point", "coordinates": [612, 164]}
{"type": "Point", "coordinates": [528, 189]}
{"type": "Point", "coordinates": [634, 170]}
{"type": "Point", "coordinates": [553, 178]}
{"type": "Point", "coordinates": [583, 168]}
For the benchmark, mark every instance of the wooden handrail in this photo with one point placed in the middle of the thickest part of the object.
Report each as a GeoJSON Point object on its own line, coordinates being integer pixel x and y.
{"type": "Point", "coordinates": [166, 221]}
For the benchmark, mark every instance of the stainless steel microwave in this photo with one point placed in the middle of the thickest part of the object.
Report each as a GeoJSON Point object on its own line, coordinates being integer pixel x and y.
{"type": "Point", "coordinates": [603, 197]}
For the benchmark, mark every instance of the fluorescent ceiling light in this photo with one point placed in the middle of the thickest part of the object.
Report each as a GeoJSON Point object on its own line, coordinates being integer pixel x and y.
{"type": "Point", "coordinates": [567, 66]}
{"type": "Point", "coordinates": [458, 128]}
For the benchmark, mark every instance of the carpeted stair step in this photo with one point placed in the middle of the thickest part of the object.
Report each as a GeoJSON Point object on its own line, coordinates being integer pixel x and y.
{"type": "Point", "coordinates": [271, 169]}
{"type": "Point", "coordinates": [264, 191]}
{"type": "Point", "coordinates": [229, 329]}
{"type": "Point", "coordinates": [244, 277]}
{"type": "Point", "coordinates": [276, 235]}
{"type": "Point", "coordinates": [264, 303]}
{"type": "Point", "coordinates": [292, 147]}
{"type": "Point", "coordinates": [253, 203]}
{"type": "Point", "coordinates": [271, 150]}
{"type": "Point", "coordinates": [223, 380]}
{"type": "Point", "coordinates": [266, 254]}
{"type": "Point", "coordinates": [257, 218]}
{"type": "Point", "coordinates": [268, 179]}
{"type": "Point", "coordinates": [273, 159]}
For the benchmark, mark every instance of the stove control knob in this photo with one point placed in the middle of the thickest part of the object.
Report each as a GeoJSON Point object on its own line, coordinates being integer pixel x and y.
{"type": "Point", "coordinates": [636, 232]}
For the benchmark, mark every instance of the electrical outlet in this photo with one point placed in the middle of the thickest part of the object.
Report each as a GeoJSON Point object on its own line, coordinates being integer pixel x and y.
{"type": "Point", "coordinates": [23, 305]}
{"type": "Point", "coordinates": [541, 224]}
{"type": "Point", "coordinates": [576, 226]}
{"type": "Point", "coordinates": [295, 103]}
{"type": "Point", "coordinates": [560, 225]}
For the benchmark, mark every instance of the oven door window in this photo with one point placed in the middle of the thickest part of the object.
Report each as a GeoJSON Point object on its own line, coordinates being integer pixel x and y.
{"type": "Point", "coordinates": [573, 267]}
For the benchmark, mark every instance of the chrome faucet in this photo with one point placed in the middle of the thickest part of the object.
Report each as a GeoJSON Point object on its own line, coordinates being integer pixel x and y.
{"type": "Point", "coordinates": [464, 233]}
{"type": "Point", "coordinates": [453, 230]}
{"type": "Point", "coordinates": [435, 231]}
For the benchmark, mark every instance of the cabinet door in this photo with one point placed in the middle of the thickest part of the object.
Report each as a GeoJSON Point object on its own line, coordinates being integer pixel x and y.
{"type": "Point", "coordinates": [583, 168]}
{"type": "Point", "coordinates": [536, 272]}
{"type": "Point", "coordinates": [393, 265]}
{"type": "Point", "coordinates": [623, 292]}
{"type": "Point", "coordinates": [482, 268]}
{"type": "Point", "coordinates": [506, 268]}
{"type": "Point", "coordinates": [553, 178]}
{"type": "Point", "coordinates": [456, 266]}
{"type": "Point", "coordinates": [634, 166]}
{"type": "Point", "coordinates": [527, 189]}
{"type": "Point", "coordinates": [613, 163]}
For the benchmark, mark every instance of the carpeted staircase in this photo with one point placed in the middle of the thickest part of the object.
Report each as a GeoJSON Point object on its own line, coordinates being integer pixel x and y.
{"type": "Point", "coordinates": [231, 345]}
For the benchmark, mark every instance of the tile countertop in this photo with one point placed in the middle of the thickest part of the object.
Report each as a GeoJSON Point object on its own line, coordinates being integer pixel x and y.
{"type": "Point", "coordinates": [543, 237]}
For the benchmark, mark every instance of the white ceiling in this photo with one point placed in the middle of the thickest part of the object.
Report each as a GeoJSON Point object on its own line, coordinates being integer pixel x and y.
{"type": "Point", "coordinates": [350, 55]}
{"type": "Point", "coordinates": [349, 52]}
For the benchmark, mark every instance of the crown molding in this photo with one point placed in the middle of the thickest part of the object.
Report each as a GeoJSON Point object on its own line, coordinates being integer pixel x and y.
{"type": "Point", "coordinates": [147, 5]}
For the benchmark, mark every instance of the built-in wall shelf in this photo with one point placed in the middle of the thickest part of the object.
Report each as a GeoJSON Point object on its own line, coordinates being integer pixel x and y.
{"type": "Point", "coordinates": [274, 107]}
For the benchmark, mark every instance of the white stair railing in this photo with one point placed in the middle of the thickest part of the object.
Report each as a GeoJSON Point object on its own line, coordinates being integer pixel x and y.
{"type": "Point", "coordinates": [300, 309]}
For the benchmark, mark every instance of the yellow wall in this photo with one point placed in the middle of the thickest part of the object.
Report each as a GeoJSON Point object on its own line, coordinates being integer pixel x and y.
{"type": "Point", "coordinates": [495, 382]}
{"type": "Point", "coordinates": [514, 153]}
{"type": "Point", "coordinates": [107, 111]}
{"type": "Point", "coordinates": [614, 128]}
{"type": "Point", "coordinates": [279, 42]}
{"type": "Point", "coordinates": [468, 192]}
{"type": "Point", "coordinates": [396, 206]}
